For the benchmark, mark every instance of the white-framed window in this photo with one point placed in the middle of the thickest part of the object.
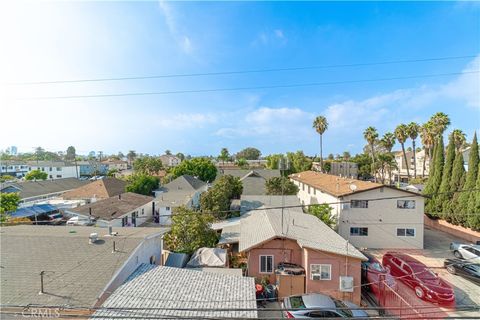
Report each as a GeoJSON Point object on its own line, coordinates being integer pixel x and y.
{"type": "Point", "coordinates": [59, 175]}
{"type": "Point", "coordinates": [406, 204]}
{"type": "Point", "coordinates": [167, 208]}
{"type": "Point", "coordinates": [359, 231]}
{"type": "Point", "coordinates": [321, 272]}
{"type": "Point", "coordinates": [303, 186]}
{"type": "Point", "coordinates": [359, 203]}
{"type": "Point", "coordinates": [59, 168]}
{"type": "Point", "coordinates": [143, 211]}
{"type": "Point", "coordinates": [405, 232]}
{"type": "Point", "coordinates": [266, 264]}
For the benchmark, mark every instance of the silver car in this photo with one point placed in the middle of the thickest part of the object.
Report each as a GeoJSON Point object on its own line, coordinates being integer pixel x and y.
{"type": "Point", "coordinates": [469, 252]}
{"type": "Point", "coordinates": [320, 306]}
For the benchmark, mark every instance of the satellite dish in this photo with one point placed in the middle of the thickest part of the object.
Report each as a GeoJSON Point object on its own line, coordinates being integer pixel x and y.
{"type": "Point", "coordinates": [353, 187]}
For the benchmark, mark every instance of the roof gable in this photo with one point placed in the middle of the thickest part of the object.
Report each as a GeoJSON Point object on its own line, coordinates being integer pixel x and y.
{"type": "Point", "coordinates": [100, 189]}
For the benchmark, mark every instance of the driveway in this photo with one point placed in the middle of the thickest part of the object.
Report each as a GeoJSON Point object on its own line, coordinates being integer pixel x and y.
{"type": "Point", "coordinates": [436, 250]}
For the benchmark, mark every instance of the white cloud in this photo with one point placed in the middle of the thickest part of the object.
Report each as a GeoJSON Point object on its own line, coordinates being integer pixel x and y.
{"type": "Point", "coordinates": [279, 33]}
{"type": "Point", "coordinates": [186, 121]}
{"type": "Point", "coordinates": [183, 41]}
{"type": "Point", "coordinates": [276, 36]}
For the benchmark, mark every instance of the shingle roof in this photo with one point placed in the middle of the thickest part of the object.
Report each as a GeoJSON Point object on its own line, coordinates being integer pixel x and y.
{"type": "Point", "coordinates": [333, 185]}
{"type": "Point", "coordinates": [177, 289]}
{"type": "Point", "coordinates": [77, 271]}
{"type": "Point", "coordinates": [179, 191]}
{"type": "Point", "coordinates": [29, 189]}
{"type": "Point", "coordinates": [100, 189]}
{"type": "Point", "coordinates": [253, 181]}
{"type": "Point", "coordinates": [113, 207]}
{"type": "Point", "coordinates": [184, 183]}
{"type": "Point", "coordinates": [307, 230]}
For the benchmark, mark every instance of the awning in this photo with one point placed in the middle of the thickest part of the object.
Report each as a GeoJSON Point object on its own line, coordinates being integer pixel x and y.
{"type": "Point", "coordinates": [33, 210]}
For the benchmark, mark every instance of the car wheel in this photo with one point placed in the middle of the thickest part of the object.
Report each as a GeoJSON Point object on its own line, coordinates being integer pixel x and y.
{"type": "Point", "coordinates": [419, 292]}
{"type": "Point", "coordinates": [457, 254]}
{"type": "Point", "coordinates": [451, 269]}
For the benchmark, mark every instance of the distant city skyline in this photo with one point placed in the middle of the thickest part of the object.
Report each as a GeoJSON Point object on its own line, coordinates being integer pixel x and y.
{"type": "Point", "coordinates": [90, 40]}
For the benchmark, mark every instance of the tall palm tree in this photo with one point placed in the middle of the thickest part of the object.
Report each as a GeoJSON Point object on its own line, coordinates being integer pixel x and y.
{"type": "Point", "coordinates": [413, 131]}
{"type": "Point", "coordinates": [440, 122]}
{"type": "Point", "coordinates": [370, 134]}
{"type": "Point", "coordinates": [458, 139]}
{"type": "Point", "coordinates": [427, 136]}
{"type": "Point", "coordinates": [131, 155]}
{"type": "Point", "coordinates": [387, 142]}
{"type": "Point", "coordinates": [401, 133]}
{"type": "Point", "coordinates": [321, 125]}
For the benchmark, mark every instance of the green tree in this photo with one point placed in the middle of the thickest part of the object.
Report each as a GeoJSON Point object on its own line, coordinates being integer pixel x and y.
{"type": "Point", "coordinates": [224, 155]}
{"type": "Point", "coordinates": [413, 130]}
{"type": "Point", "coordinates": [346, 156]}
{"type": "Point", "coordinates": [470, 182]}
{"type": "Point", "coordinates": [321, 125]}
{"type": "Point", "coordinates": [385, 163]}
{"type": "Point", "coordinates": [6, 177]}
{"type": "Point", "coordinates": [242, 163]}
{"type": "Point", "coordinates": [427, 137]}
{"type": "Point", "coordinates": [474, 205]}
{"type": "Point", "coordinates": [147, 165]}
{"type": "Point", "coordinates": [168, 152]}
{"type": "Point", "coordinates": [71, 153]}
{"type": "Point", "coordinates": [202, 168]}
{"type": "Point", "coordinates": [180, 156]}
{"type": "Point", "coordinates": [298, 162]}
{"type": "Point", "coordinates": [439, 123]}
{"type": "Point", "coordinates": [190, 231]}
{"type": "Point", "coordinates": [273, 161]}
{"type": "Point", "coordinates": [131, 155]}
{"type": "Point", "coordinates": [8, 203]}
{"type": "Point", "coordinates": [444, 197]}
{"type": "Point", "coordinates": [36, 175]}
{"type": "Point", "coordinates": [456, 184]}
{"type": "Point", "coordinates": [364, 164]}
{"type": "Point", "coordinates": [112, 172]}
{"type": "Point", "coordinates": [323, 212]}
{"type": "Point", "coordinates": [370, 134]}
{"type": "Point", "coordinates": [249, 154]}
{"type": "Point", "coordinates": [401, 133]}
{"type": "Point", "coordinates": [274, 186]}
{"type": "Point", "coordinates": [217, 199]}
{"type": "Point", "coordinates": [458, 138]}
{"type": "Point", "coordinates": [435, 181]}
{"type": "Point", "coordinates": [142, 184]}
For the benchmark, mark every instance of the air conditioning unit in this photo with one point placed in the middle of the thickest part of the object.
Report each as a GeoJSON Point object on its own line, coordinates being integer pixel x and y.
{"type": "Point", "coordinates": [346, 284]}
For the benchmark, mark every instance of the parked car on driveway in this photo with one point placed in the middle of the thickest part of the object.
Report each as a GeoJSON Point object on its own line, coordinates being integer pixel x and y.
{"type": "Point", "coordinates": [289, 268]}
{"type": "Point", "coordinates": [373, 272]}
{"type": "Point", "coordinates": [327, 306]}
{"type": "Point", "coordinates": [426, 284]}
{"type": "Point", "coordinates": [468, 270]}
{"type": "Point", "coordinates": [469, 252]}
{"type": "Point", "coordinates": [77, 221]}
{"type": "Point", "coordinates": [55, 219]}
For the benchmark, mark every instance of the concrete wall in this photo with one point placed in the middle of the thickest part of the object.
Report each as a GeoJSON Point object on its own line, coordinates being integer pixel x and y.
{"type": "Point", "coordinates": [338, 263]}
{"type": "Point", "coordinates": [56, 172]}
{"type": "Point", "coordinates": [150, 246]}
{"type": "Point", "coordinates": [309, 195]}
{"type": "Point", "coordinates": [466, 234]}
{"type": "Point", "coordinates": [382, 218]}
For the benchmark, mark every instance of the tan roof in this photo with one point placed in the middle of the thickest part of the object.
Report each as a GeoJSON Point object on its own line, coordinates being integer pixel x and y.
{"type": "Point", "coordinates": [113, 207]}
{"type": "Point", "coordinates": [100, 189]}
{"type": "Point", "coordinates": [334, 185]}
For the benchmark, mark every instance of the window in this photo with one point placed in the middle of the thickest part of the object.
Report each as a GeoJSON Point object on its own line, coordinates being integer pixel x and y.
{"type": "Point", "coordinates": [359, 203]}
{"type": "Point", "coordinates": [59, 169]}
{"type": "Point", "coordinates": [406, 204]}
{"type": "Point", "coordinates": [266, 264]}
{"type": "Point", "coordinates": [143, 211]}
{"type": "Point", "coordinates": [308, 189]}
{"type": "Point", "coordinates": [358, 231]}
{"type": "Point", "coordinates": [314, 191]}
{"type": "Point", "coordinates": [59, 175]}
{"type": "Point", "coordinates": [303, 186]}
{"type": "Point", "coordinates": [320, 271]}
{"type": "Point", "coordinates": [405, 232]}
{"type": "Point", "coordinates": [167, 208]}
{"type": "Point", "coordinates": [50, 169]}
{"type": "Point", "coordinates": [323, 314]}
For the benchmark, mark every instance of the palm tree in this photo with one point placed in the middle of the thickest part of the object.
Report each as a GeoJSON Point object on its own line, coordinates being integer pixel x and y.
{"type": "Point", "coordinates": [321, 125]}
{"type": "Point", "coordinates": [458, 139]}
{"type": "Point", "coordinates": [387, 142]}
{"type": "Point", "coordinates": [427, 136]}
{"type": "Point", "coordinates": [413, 131]}
{"type": "Point", "coordinates": [131, 155]}
{"type": "Point", "coordinates": [370, 134]}
{"type": "Point", "coordinates": [401, 133]}
{"type": "Point", "coordinates": [440, 122]}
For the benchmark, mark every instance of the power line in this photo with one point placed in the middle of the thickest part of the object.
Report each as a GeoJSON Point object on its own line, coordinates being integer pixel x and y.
{"type": "Point", "coordinates": [178, 75]}
{"type": "Point", "coordinates": [312, 84]}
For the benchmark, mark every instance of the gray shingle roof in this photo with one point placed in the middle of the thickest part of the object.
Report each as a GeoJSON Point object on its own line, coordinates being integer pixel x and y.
{"type": "Point", "coordinates": [176, 289]}
{"type": "Point", "coordinates": [253, 181]}
{"type": "Point", "coordinates": [179, 191]}
{"type": "Point", "coordinates": [77, 271]}
{"type": "Point", "coordinates": [29, 189]}
{"type": "Point", "coordinates": [307, 230]}
{"type": "Point", "coordinates": [185, 182]}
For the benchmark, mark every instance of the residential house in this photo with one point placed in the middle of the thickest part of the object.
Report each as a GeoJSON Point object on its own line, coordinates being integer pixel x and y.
{"type": "Point", "coordinates": [97, 190]}
{"type": "Point", "coordinates": [183, 191]}
{"type": "Point", "coordinates": [170, 293]}
{"type": "Point", "coordinates": [41, 191]}
{"type": "Point", "coordinates": [124, 210]}
{"type": "Point", "coordinates": [118, 165]}
{"type": "Point", "coordinates": [270, 236]}
{"type": "Point", "coordinates": [170, 160]}
{"type": "Point", "coordinates": [55, 169]}
{"type": "Point", "coordinates": [75, 271]}
{"type": "Point", "coordinates": [369, 215]}
{"type": "Point", "coordinates": [14, 168]}
{"type": "Point", "coordinates": [92, 168]}
{"type": "Point", "coordinates": [253, 181]}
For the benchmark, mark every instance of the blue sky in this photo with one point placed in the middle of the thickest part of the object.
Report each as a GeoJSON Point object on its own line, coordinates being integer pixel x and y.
{"type": "Point", "coordinates": [83, 40]}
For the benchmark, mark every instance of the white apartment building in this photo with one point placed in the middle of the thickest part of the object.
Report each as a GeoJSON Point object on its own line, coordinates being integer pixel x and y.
{"type": "Point", "coordinates": [170, 160]}
{"type": "Point", "coordinates": [401, 175]}
{"type": "Point", "coordinates": [396, 221]}
{"type": "Point", "coordinates": [55, 170]}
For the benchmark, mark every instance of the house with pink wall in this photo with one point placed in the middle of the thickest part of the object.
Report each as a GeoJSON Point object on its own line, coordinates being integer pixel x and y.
{"type": "Point", "coordinates": [268, 237]}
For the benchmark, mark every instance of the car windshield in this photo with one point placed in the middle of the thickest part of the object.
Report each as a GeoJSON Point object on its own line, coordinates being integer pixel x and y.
{"type": "Point", "coordinates": [296, 302]}
{"type": "Point", "coordinates": [475, 268]}
{"type": "Point", "coordinates": [343, 308]}
{"type": "Point", "coordinates": [377, 267]}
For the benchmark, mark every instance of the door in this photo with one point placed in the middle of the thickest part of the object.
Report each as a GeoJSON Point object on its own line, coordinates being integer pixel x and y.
{"type": "Point", "coordinates": [134, 218]}
{"type": "Point", "coordinates": [408, 275]}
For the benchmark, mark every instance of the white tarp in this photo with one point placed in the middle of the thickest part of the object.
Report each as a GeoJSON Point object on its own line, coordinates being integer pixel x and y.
{"type": "Point", "coordinates": [208, 257]}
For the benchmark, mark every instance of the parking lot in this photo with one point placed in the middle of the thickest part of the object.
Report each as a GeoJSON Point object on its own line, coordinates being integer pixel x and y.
{"type": "Point", "coordinates": [436, 250]}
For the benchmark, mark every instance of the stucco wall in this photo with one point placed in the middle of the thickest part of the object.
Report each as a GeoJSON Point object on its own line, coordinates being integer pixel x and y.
{"type": "Point", "coordinates": [331, 287]}
{"type": "Point", "coordinates": [311, 195]}
{"type": "Point", "coordinates": [382, 218]}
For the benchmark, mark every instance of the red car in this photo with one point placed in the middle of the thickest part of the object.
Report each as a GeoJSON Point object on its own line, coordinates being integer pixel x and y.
{"type": "Point", "coordinates": [426, 284]}
{"type": "Point", "coordinates": [373, 272]}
